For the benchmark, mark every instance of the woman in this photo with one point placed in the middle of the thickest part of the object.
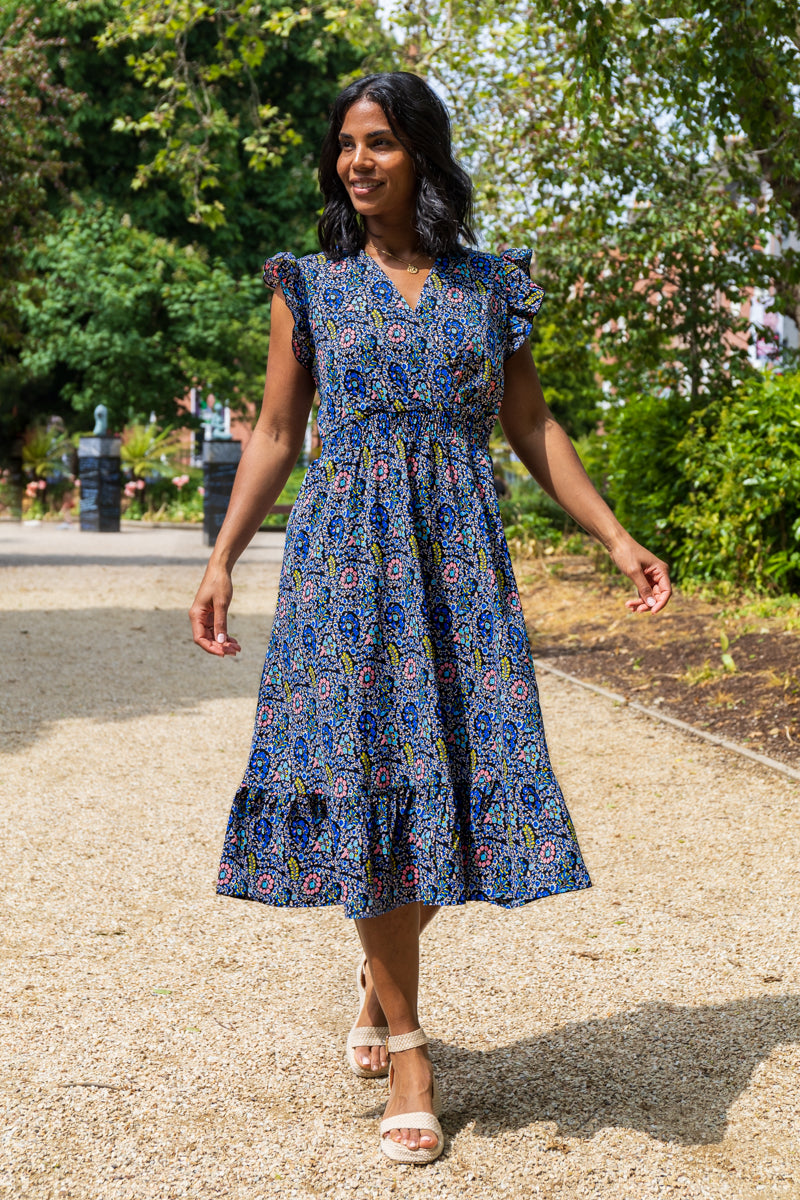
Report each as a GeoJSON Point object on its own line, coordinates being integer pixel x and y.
{"type": "Point", "coordinates": [399, 760]}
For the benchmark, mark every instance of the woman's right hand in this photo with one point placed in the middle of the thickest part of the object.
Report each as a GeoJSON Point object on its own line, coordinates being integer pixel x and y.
{"type": "Point", "coordinates": [209, 613]}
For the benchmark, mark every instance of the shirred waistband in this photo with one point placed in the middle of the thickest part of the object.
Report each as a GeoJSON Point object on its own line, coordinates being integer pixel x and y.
{"type": "Point", "coordinates": [354, 429]}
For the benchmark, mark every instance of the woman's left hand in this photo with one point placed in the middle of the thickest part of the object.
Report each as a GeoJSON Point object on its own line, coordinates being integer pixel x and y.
{"type": "Point", "coordinates": [648, 573]}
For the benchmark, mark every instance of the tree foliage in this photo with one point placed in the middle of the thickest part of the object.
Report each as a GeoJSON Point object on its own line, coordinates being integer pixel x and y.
{"type": "Point", "coordinates": [119, 316]}
{"type": "Point", "coordinates": [33, 109]}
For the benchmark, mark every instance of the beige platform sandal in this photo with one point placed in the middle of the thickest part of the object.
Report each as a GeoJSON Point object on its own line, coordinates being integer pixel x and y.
{"type": "Point", "coordinates": [416, 1120]}
{"type": "Point", "coordinates": [365, 1035]}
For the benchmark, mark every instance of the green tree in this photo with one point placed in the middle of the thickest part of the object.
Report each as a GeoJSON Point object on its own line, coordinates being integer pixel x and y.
{"type": "Point", "coordinates": [117, 315]}
{"type": "Point", "coordinates": [33, 111]}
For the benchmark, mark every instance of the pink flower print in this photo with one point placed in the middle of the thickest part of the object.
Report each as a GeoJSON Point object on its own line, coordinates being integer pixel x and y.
{"type": "Point", "coordinates": [451, 473]}
{"type": "Point", "coordinates": [348, 577]}
{"type": "Point", "coordinates": [324, 687]}
{"type": "Point", "coordinates": [347, 337]}
{"type": "Point", "coordinates": [490, 681]}
{"type": "Point", "coordinates": [483, 776]}
{"type": "Point", "coordinates": [447, 673]}
{"type": "Point", "coordinates": [341, 482]}
{"type": "Point", "coordinates": [265, 883]}
{"type": "Point", "coordinates": [394, 570]}
{"type": "Point", "coordinates": [297, 702]}
{"type": "Point", "coordinates": [380, 470]}
{"type": "Point", "coordinates": [413, 465]}
{"type": "Point", "coordinates": [409, 876]}
{"type": "Point", "coordinates": [266, 715]}
{"type": "Point", "coordinates": [340, 787]}
{"type": "Point", "coordinates": [419, 768]}
{"type": "Point", "coordinates": [396, 333]}
{"type": "Point", "coordinates": [519, 689]}
{"type": "Point", "coordinates": [308, 590]}
{"type": "Point", "coordinates": [225, 873]}
{"type": "Point", "coordinates": [366, 676]}
{"type": "Point", "coordinates": [311, 884]}
{"type": "Point", "coordinates": [451, 572]}
{"type": "Point", "coordinates": [410, 669]}
{"type": "Point", "coordinates": [547, 852]}
{"type": "Point", "coordinates": [513, 600]}
{"type": "Point", "coordinates": [455, 294]}
{"type": "Point", "coordinates": [483, 856]}
{"type": "Point", "coordinates": [382, 777]}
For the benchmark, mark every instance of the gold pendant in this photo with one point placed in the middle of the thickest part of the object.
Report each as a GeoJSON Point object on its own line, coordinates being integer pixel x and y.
{"type": "Point", "coordinates": [412, 270]}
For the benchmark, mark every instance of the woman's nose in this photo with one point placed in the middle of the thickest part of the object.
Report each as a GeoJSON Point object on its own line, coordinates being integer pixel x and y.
{"type": "Point", "coordinates": [362, 156]}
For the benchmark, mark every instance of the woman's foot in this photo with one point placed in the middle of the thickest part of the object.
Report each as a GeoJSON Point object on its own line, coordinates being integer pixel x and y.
{"type": "Point", "coordinates": [412, 1092]}
{"type": "Point", "coordinates": [371, 1058]}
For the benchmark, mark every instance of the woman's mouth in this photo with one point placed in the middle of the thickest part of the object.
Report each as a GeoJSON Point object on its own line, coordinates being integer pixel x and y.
{"type": "Point", "coordinates": [365, 187]}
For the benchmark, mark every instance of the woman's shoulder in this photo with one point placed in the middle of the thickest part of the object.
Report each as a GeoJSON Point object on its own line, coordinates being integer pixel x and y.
{"type": "Point", "coordinates": [485, 265]}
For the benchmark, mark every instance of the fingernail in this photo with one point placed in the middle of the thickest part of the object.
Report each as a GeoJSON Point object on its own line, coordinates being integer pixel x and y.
{"type": "Point", "coordinates": [650, 601]}
{"type": "Point", "coordinates": [220, 637]}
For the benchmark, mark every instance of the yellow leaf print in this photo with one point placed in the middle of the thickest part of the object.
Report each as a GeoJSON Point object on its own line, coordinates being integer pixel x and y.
{"type": "Point", "coordinates": [413, 545]}
{"type": "Point", "coordinates": [409, 753]}
{"type": "Point", "coordinates": [437, 553]}
{"type": "Point", "coordinates": [301, 787]}
{"type": "Point", "coordinates": [368, 870]}
{"type": "Point", "coordinates": [331, 327]}
{"type": "Point", "coordinates": [441, 749]}
{"type": "Point", "coordinates": [437, 453]}
{"type": "Point", "coordinates": [427, 646]}
{"type": "Point", "coordinates": [331, 565]}
{"type": "Point", "coordinates": [377, 553]}
{"type": "Point", "coordinates": [297, 577]}
{"type": "Point", "coordinates": [330, 469]}
{"type": "Point", "coordinates": [377, 317]}
{"type": "Point", "coordinates": [329, 773]}
{"type": "Point", "coordinates": [294, 868]}
{"type": "Point", "coordinates": [482, 558]}
{"type": "Point", "coordinates": [366, 457]}
{"type": "Point", "coordinates": [366, 763]}
{"type": "Point", "coordinates": [473, 759]}
{"type": "Point", "coordinates": [505, 666]}
{"type": "Point", "coordinates": [251, 864]}
{"type": "Point", "coordinates": [478, 659]}
{"type": "Point", "coordinates": [529, 835]}
{"type": "Point", "coordinates": [287, 691]}
{"type": "Point", "coordinates": [347, 662]}
{"type": "Point", "coordinates": [312, 675]}
{"type": "Point", "coordinates": [394, 654]}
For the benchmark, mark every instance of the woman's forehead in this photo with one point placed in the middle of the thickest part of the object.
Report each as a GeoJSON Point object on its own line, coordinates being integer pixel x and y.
{"type": "Point", "coordinates": [365, 117]}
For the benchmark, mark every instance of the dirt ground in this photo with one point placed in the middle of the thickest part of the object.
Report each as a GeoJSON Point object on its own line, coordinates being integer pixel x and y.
{"type": "Point", "coordinates": [577, 621]}
{"type": "Point", "coordinates": [636, 1041]}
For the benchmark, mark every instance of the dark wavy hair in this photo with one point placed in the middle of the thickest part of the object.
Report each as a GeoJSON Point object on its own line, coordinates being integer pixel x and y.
{"type": "Point", "coordinates": [419, 120]}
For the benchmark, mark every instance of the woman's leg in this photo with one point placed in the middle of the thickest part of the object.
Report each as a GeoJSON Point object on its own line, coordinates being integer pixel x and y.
{"type": "Point", "coordinates": [374, 1057]}
{"type": "Point", "coordinates": [391, 943]}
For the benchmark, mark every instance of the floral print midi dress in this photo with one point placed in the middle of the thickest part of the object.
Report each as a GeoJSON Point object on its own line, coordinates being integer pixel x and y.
{"type": "Point", "coordinates": [398, 752]}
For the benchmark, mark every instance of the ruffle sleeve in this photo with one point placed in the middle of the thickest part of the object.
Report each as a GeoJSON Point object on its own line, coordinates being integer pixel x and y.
{"type": "Point", "coordinates": [283, 271]}
{"type": "Point", "coordinates": [523, 297]}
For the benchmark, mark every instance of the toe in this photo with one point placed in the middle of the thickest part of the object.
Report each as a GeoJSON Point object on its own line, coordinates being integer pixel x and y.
{"type": "Point", "coordinates": [375, 1060]}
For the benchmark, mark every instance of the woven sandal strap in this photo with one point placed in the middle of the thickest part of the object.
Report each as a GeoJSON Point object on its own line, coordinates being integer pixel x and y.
{"type": "Point", "coordinates": [367, 1035]}
{"type": "Point", "coordinates": [417, 1120]}
{"type": "Point", "coordinates": [406, 1041]}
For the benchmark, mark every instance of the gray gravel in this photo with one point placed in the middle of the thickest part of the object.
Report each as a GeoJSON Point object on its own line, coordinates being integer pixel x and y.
{"type": "Point", "coordinates": [637, 1040]}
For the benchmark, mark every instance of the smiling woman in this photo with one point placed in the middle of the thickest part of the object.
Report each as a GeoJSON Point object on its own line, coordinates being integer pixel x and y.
{"type": "Point", "coordinates": [399, 760]}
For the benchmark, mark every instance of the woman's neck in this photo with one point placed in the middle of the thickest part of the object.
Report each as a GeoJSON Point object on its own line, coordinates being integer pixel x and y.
{"type": "Point", "coordinates": [399, 237]}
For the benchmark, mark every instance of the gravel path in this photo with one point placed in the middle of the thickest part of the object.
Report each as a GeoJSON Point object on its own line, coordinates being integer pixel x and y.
{"type": "Point", "coordinates": [636, 1040]}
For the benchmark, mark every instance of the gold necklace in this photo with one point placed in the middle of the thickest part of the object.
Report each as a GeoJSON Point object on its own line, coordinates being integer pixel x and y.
{"type": "Point", "coordinates": [409, 266]}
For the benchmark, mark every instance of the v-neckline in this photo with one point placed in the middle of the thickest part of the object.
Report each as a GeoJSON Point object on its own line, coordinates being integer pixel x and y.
{"type": "Point", "coordinates": [415, 311]}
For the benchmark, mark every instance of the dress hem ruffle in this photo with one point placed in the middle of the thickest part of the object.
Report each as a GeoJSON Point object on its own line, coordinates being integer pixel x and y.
{"type": "Point", "coordinates": [421, 896]}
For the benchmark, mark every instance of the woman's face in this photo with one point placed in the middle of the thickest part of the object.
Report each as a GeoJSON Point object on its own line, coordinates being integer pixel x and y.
{"type": "Point", "coordinates": [375, 168]}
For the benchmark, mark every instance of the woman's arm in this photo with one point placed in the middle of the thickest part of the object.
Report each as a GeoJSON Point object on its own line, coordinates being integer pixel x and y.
{"type": "Point", "coordinates": [539, 441]}
{"type": "Point", "coordinates": [265, 466]}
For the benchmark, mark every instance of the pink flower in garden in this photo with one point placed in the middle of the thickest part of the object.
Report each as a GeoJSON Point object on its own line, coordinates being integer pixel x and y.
{"type": "Point", "coordinates": [201, 491]}
{"type": "Point", "coordinates": [180, 481]}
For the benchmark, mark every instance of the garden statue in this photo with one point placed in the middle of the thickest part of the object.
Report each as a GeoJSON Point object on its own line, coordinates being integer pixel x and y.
{"type": "Point", "coordinates": [217, 431]}
{"type": "Point", "coordinates": [100, 421]}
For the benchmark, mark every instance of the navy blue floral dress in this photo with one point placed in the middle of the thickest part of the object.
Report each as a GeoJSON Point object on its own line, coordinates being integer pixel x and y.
{"type": "Point", "coordinates": [399, 753]}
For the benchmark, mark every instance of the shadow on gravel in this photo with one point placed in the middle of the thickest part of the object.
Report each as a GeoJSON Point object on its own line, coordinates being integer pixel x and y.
{"type": "Point", "coordinates": [667, 1071]}
{"type": "Point", "coordinates": [115, 664]}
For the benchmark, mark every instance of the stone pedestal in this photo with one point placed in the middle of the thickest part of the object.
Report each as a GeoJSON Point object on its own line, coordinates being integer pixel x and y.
{"type": "Point", "coordinates": [101, 483]}
{"type": "Point", "coordinates": [220, 461]}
